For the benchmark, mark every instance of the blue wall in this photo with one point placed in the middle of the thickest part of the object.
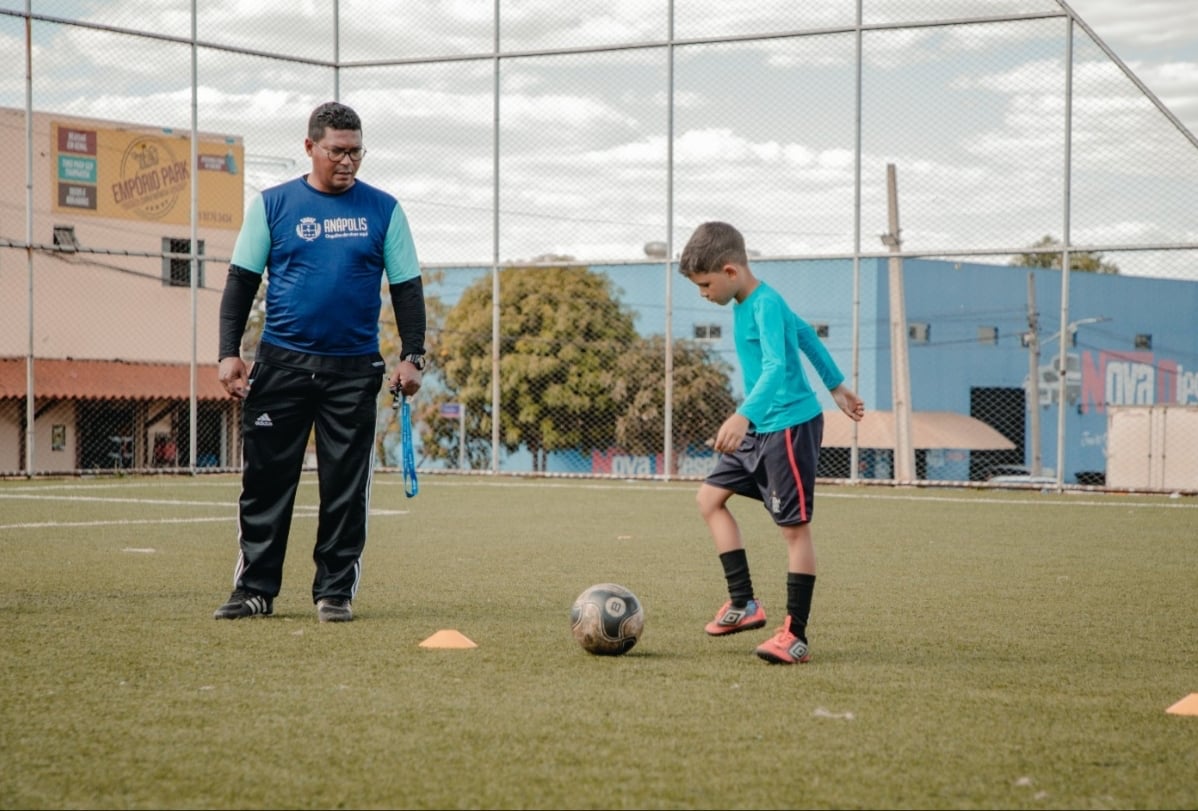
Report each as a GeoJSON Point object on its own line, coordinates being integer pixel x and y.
{"type": "Point", "coordinates": [955, 299]}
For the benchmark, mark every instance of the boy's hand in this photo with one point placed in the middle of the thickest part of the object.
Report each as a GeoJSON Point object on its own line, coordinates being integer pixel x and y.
{"type": "Point", "coordinates": [731, 433]}
{"type": "Point", "coordinates": [849, 402]}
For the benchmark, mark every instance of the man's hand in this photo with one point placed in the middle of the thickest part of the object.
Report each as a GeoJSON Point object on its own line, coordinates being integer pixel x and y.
{"type": "Point", "coordinates": [234, 377]}
{"type": "Point", "coordinates": [406, 378]}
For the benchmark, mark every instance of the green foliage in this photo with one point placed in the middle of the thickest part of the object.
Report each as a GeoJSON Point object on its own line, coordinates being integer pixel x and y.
{"type": "Point", "coordinates": [562, 333]}
{"type": "Point", "coordinates": [1084, 261]}
{"type": "Point", "coordinates": [573, 373]}
{"type": "Point", "coordinates": [441, 437]}
{"type": "Point", "coordinates": [255, 323]}
{"type": "Point", "coordinates": [971, 651]}
{"type": "Point", "coordinates": [702, 395]}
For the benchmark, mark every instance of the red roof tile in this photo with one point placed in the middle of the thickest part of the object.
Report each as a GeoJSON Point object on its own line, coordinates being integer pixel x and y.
{"type": "Point", "coordinates": [108, 380]}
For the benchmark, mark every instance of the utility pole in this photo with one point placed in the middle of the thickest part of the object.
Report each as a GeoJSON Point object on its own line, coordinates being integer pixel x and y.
{"type": "Point", "coordinates": [900, 374]}
{"type": "Point", "coordinates": [1033, 376]}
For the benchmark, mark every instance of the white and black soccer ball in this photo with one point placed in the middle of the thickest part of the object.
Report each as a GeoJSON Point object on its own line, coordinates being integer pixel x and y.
{"type": "Point", "coordinates": [607, 619]}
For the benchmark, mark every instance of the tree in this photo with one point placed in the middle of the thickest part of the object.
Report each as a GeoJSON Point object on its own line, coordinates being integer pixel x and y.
{"type": "Point", "coordinates": [1085, 261]}
{"type": "Point", "coordinates": [562, 334]}
{"type": "Point", "coordinates": [255, 323]}
{"type": "Point", "coordinates": [441, 437]}
{"type": "Point", "coordinates": [702, 395]}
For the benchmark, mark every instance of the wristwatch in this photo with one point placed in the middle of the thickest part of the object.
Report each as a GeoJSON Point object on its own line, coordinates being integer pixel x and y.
{"type": "Point", "coordinates": [415, 360]}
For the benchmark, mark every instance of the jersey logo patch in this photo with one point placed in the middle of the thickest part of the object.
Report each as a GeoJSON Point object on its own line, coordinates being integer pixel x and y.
{"type": "Point", "coordinates": [308, 229]}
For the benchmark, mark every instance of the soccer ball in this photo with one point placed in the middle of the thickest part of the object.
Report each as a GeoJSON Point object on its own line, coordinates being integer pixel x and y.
{"type": "Point", "coordinates": [607, 619]}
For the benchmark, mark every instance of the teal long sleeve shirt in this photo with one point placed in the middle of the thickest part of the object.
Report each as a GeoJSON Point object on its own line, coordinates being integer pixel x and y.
{"type": "Point", "coordinates": [770, 341]}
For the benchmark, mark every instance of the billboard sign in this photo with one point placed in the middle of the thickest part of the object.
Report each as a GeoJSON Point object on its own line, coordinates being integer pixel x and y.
{"type": "Point", "coordinates": [129, 175]}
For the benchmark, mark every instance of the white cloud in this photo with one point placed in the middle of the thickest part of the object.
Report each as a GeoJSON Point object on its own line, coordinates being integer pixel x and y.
{"type": "Point", "coordinates": [583, 162]}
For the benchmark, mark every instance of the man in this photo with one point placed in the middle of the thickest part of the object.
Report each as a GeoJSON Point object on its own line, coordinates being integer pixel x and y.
{"type": "Point", "coordinates": [325, 240]}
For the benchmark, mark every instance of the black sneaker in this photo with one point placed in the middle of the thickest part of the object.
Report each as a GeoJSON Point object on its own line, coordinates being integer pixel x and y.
{"type": "Point", "coordinates": [244, 603]}
{"type": "Point", "coordinates": [334, 609]}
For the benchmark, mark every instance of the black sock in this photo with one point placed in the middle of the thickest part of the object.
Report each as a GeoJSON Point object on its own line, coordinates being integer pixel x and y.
{"type": "Point", "coordinates": [736, 572]}
{"type": "Point", "coordinates": [799, 588]}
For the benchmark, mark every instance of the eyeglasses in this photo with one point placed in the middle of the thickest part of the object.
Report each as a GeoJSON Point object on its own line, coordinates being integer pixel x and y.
{"type": "Point", "coordinates": [337, 154]}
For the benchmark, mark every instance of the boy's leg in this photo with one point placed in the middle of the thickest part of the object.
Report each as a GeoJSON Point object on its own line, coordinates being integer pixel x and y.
{"type": "Point", "coordinates": [713, 507]}
{"type": "Point", "coordinates": [793, 478]}
{"type": "Point", "coordinates": [800, 548]}
{"type": "Point", "coordinates": [742, 612]}
{"type": "Point", "coordinates": [800, 576]}
{"type": "Point", "coordinates": [789, 645]}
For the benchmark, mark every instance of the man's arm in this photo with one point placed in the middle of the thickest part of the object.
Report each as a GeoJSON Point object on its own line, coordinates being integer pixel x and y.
{"type": "Point", "coordinates": [407, 298]}
{"type": "Point", "coordinates": [241, 286]}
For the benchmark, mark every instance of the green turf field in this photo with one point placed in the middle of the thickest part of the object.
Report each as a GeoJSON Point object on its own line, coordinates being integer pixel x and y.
{"type": "Point", "coordinates": [971, 650]}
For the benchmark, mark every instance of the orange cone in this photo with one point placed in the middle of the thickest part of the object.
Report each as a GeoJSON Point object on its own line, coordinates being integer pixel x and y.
{"type": "Point", "coordinates": [448, 639]}
{"type": "Point", "coordinates": [1187, 706]}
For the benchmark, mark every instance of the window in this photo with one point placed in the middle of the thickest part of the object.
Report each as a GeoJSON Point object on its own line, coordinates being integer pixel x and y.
{"type": "Point", "coordinates": [919, 332]}
{"type": "Point", "coordinates": [708, 332]}
{"type": "Point", "coordinates": [64, 237]}
{"type": "Point", "coordinates": [988, 335]}
{"type": "Point", "coordinates": [176, 270]}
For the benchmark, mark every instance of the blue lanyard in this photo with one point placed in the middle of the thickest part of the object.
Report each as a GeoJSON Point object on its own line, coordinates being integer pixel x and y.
{"type": "Point", "coordinates": [411, 486]}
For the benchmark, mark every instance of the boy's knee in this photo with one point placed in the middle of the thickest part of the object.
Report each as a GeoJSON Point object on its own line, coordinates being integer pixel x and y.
{"type": "Point", "coordinates": [709, 499]}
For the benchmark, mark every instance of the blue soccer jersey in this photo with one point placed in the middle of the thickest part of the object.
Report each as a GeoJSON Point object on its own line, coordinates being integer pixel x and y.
{"type": "Point", "coordinates": [325, 256]}
{"type": "Point", "coordinates": [770, 340]}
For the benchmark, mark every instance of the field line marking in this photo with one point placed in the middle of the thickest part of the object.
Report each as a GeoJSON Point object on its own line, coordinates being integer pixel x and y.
{"type": "Point", "coordinates": [676, 486]}
{"type": "Point", "coordinates": [1114, 500]}
{"type": "Point", "coordinates": [123, 522]}
{"type": "Point", "coordinates": [115, 500]}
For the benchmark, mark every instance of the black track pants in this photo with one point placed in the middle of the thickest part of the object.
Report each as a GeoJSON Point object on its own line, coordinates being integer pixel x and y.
{"type": "Point", "coordinates": [282, 407]}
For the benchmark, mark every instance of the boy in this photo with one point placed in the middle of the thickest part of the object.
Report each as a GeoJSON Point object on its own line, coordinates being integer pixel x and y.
{"type": "Point", "coordinates": [770, 446]}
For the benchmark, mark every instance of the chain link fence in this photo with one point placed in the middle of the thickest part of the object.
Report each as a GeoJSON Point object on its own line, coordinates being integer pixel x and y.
{"type": "Point", "coordinates": [912, 176]}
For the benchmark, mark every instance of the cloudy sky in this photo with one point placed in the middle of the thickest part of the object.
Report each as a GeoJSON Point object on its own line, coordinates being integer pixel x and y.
{"type": "Point", "coordinates": [1158, 39]}
{"type": "Point", "coordinates": [971, 116]}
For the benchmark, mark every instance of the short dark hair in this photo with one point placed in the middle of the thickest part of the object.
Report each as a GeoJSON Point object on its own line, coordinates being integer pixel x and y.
{"type": "Point", "coordinates": [332, 115]}
{"type": "Point", "coordinates": [713, 245]}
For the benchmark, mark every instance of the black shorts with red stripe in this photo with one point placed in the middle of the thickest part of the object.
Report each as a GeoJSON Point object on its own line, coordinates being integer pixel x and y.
{"type": "Point", "coordinates": [777, 468]}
